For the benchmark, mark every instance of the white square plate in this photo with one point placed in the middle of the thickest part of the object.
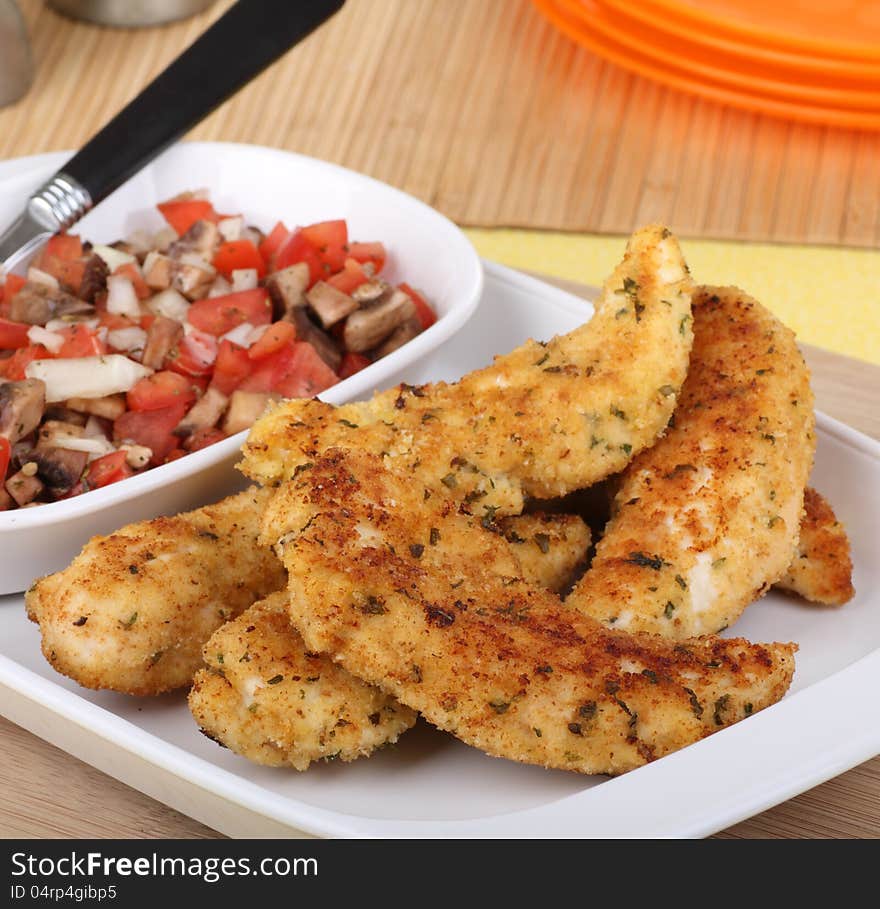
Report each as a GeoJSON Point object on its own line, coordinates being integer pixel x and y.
{"type": "Point", "coordinates": [431, 785]}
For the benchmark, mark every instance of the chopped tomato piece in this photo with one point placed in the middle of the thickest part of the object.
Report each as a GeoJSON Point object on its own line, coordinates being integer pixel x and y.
{"type": "Point", "coordinates": [106, 470]}
{"type": "Point", "coordinates": [11, 287]}
{"type": "Point", "coordinates": [352, 363]}
{"type": "Point", "coordinates": [133, 273]}
{"type": "Point", "coordinates": [193, 355]}
{"type": "Point", "coordinates": [273, 242]}
{"type": "Point", "coordinates": [113, 321]}
{"type": "Point", "coordinates": [202, 438]}
{"type": "Point", "coordinates": [232, 367]}
{"type": "Point", "coordinates": [350, 278]}
{"type": "Point", "coordinates": [181, 214]}
{"type": "Point", "coordinates": [368, 252]}
{"type": "Point", "coordinates": [173, 455]}
{"type": "Point", "coordinates": [426, 314]}
{"type": "Point", "coordinates": [306, 374]}
{"type": "Point", "coordinates": [5, 457]}
{"type": "Point", "coordinates": [64, 246]}
{"type": "Point", "coordinates": [238, 254]}
{"type": "Point", "coordinates": [80, 341]}
{"type": "Point", "coordinates": [13, 335]}
{"type": "Point", "coordinates": [298, 249]}
{"type": "Point", "coordinates": [217, 315]}
{"type": "Point", "coordinates": [162, 389]}
{"type": "Point", "coordinates": [330, 238]}
{"type": "Point", "coordinates": [152, 428]}
{"type": "Point", "coordinates": [13, 368]}
{"type": "Point", "coordinates": [273, 339]}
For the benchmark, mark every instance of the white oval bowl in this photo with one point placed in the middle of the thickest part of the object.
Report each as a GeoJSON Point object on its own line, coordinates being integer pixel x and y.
{"type": "Point", "coordinates": [266, 185]}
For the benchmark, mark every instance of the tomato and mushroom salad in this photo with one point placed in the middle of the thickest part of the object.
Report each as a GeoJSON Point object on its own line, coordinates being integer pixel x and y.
{"type": "Point", "coordinates": [117, 358]}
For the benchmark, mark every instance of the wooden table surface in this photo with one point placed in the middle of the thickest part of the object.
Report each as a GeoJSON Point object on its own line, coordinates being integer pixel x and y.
{"type": "Point", "coordinates": [485, 111]}
{"type": "Point", "coordinates": [45, 792]}
{"type": "Point", "coordinates": [481, 109]}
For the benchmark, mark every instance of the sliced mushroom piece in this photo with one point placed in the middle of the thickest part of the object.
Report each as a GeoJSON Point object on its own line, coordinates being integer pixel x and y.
{"type": "Point", "coordinates": [331, 304]}
{"type": "Point", "coordinates": [245, 407]}
{"type": "Point", "coordinates": [324, 344]}
{"type": "Point", "coordinates": [204, 414]}
{"type": "Point", "coordinates": [157, 271]}
{"type": "Point", "coordinates": [24, 487]}
{"type": "Point", "coordinates": [404, 332]}
{"type": "Point", "coordinates": [191, 279]}
{"type": "Point", "coordinates": [21, 408]}
{"type": "Point", "coordinates": [59, 468]}
{"type": "Point", "coordinates": [60, 411]}
{"type": "Point", "coordinates": [54, 431]}
{"type": "Point", "coordinates": [6, 500]}
{"type": "Point", "coordinates": [34, 304]}
{"type": "Point", "coordinates": [111, 407]}
{"type": "Point", "coordinates": [287, 288]}
{"type": "Point", "coordinates": [367, 328]}
{"type": "Point", "coordinates": [202, 238]}
{"type": "Point", "coordinates": [162, 335]}
{"type": "Point", "coordinates": [371, 291]}
{"type": "Point", "coordinates": [94, 279]}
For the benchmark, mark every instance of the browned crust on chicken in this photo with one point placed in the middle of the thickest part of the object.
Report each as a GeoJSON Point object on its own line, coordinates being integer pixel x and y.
{"type": "Point", "coordinates": [708, 518]}
{"type": "Point", "coordinates": [543, 420]}
{"type": "Point", "coordinates": [490, 658]}
{"type": "Point", "coordinates": [134, 608]}
{"type": "Point", "coordinates": [821, 571]}
{"type": "Point", "coordinates": [265, 697]}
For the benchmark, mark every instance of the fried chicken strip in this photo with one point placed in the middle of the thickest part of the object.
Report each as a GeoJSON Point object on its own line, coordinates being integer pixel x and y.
{"type": "Point", "coordinates": [821, 571]}
{"type": "Point", "coordinates": [493, 660]}
{"type": "Point", "coordinates": [134, 608]}
{"type": "Point", "coordinates": [543, 420]}
{"type": "Point", "coordinates": [265, 697]}
{"type": "Point", "coordinates": [706, 520]}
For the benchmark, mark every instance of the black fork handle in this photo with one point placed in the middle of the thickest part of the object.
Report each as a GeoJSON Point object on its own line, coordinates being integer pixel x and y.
{"type": "Point", "coordinates": [237, 47]}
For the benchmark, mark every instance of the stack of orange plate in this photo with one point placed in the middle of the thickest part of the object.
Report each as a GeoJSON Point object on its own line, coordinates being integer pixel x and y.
{"type": "Point", "coordinates": [811, 60]}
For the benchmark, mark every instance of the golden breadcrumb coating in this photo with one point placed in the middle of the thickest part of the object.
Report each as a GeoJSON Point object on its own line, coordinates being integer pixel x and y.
{"type": "Point", "coordinates": [706, 520]}
{"type": "Point", "coordinates": [543, 420]}
{"type": "Point", "coordinates": [821, 571]}
{"type": "Point", "coordinates": [134, 608]}
{"type": "Point", "coordinates": [489, 658]}
{"type": "Point", "coordinates": [265, 697]}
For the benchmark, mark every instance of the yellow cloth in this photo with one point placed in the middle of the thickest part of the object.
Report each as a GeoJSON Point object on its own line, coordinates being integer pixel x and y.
{"type": "Point", "coordinates": [830, 296]}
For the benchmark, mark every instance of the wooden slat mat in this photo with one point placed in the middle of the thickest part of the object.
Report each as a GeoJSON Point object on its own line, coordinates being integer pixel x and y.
{"type": "Point", "coordinates": [483, 110]}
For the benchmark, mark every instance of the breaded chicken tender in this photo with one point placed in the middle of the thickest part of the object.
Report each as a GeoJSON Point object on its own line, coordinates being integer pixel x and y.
{"type": "Point", "coordinates": [543, 420]}
{"type": "Point", "coordinates": [238, 702]}
{"type": "Point", "coordinates": [134, 608]}
{"type": "Point", "coordinates": [706, 520]}
{"type": "Point", "coordinates": [265, 697]}
{"type": "Point", "coordinates": [821, 571]}
{"type": "Point", "coordinates": [489, 658]}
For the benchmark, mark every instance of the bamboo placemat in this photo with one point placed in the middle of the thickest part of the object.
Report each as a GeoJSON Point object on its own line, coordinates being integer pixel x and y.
{"type": "Point", "coordinates": [483, 110]}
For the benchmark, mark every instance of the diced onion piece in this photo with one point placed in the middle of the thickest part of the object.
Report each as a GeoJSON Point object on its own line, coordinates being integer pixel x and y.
{"type": "Point", "coordinates": [49, 339]}
{"type": "Point", "coordinates": [239, 335]}
{"type": "Point", "coordinates": [256, 334]}
{"type": "Point", "coordinates": [121, 297]}
{"type": "Point", "coordinates": [169, 303]}
{"type": "Point", "coordinates": [220, 288]}
{"type": "Point", "coordinates": [150, 261]}
{"type": "Point", "coordinates": [164, 237]}
{"type": "Point", "coordinates": [93, 428]}
{"type": "Point", "coordinates": [244, 279]}
{"type": "Point", "coordinates": [230, 228]}
{"type": "Point", "coordinates": [36, 276]}
{"type": "Point", "coordinates": [202, 194]}
{"type": "Point", "coordinates": [96, 448]}
{"type": "Point", "coordinates": [113, 257]}
{"type": "Point", "coordinates": [66, 322]}
{"type": "Point", "coordinates": [127, 339]}
{"type": "Point", "coordinates": [86, 377]}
